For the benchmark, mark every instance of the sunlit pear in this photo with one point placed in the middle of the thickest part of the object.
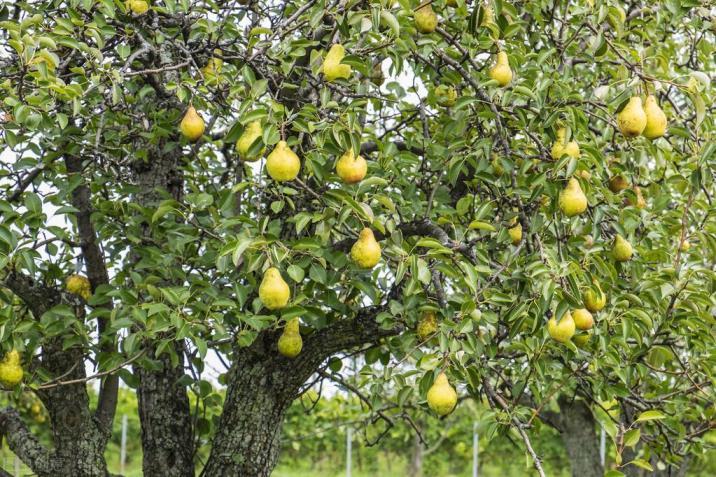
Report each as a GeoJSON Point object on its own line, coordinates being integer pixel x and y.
{"type": "Point", "coordinates": [655, 119]}
{"type": "Point", "coordinates": [445, 95]}
{"type": "Point", "coordinates": [283, 164]}
{"type": "Point", "coordinates": [79, 285]}
{"type": "Point", "coordinates": [501, 71]}
{"type": "Point", "coordinates": [351, 168]}
{"type": "Point", "coordinates": [11, 369]}
{"type": "Point", "coordinates": [192, 125]}
{"type": "Point", "coordinates": [684, 246]}
{"type": "Point", "coordinates": [426, 20]}
{"type": "Point", "coordinates": [582, 339]}
{"type": "Point", "coordinates": [274, 292]}
{"type": "Point", "coordinates": [252, 132]}
{"type": "Point", "coordinates": [618, 183]}
{"type": "Point", "coordinates": [639, 202]}
{"type": "Point", "coordinates": [515, 233]}
{"type": "Point", "coordinates": [622, 249]}
{"type": "Point", "coordinates": [332, 66]}
{"type": "Point", "coordinates": [594, 300]}
{"type": "Point", "coordinates": [290, 342]}
{"type": "Point", "coordinates": [632, 119]}
{"type": "Point", "coordinates": [366, 250]}
{"type": "Point", "coordinates": [583, 320]}
{"type": "Point", "coordinates": [138, 7]}
{"type": "Point", "coordinates": [559, 144]}
{"type": "Point", "coordinates": [563, 330]}
{"type": "Point", "coordinates": [488, 16]}
{"type": "Point", "coordinates": [442, 397]}
{"type": "Point", "coordinates": [572, 200]}
{"type": "Point", "coordinates": [572, 149]}
{"type": "Point", "coordinates": [427, 326]}
{"type": "Point", "coordinates": [584, 174]}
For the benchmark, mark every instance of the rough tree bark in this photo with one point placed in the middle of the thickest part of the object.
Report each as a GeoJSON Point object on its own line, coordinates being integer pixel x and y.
{"type": "Point", "coordinates": [262, 385]}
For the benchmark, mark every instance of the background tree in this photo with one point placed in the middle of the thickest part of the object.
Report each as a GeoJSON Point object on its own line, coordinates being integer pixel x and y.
{"type": "Point", "coordinates": [174, 230]}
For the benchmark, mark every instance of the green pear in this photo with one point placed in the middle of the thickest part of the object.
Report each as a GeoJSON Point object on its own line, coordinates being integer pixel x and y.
{"type": "Point", "coordinates": [632, 119]}
{"type": "Point", "coordinates": [572, 200]}
{"type": "Point", "coordinates": [562, 331]}
{"type": "Point", "coordinates": [366, 250]}
{"type": "Point", "coordinates": [426, 21]}
{"type": "Point", "coordinates": [583, 320]}
{"type": "Point", "coordinates": [192, 125]}
{"type": "Point", "coordinates": [655, 119]}
{"type": "Point", "coordinates": [252, 132]}
{"type": "Point", "coordinates": [283, 164]}
{"type": "Point", "coordinates": [290, 342]}
{"type": "Point", "coordinates": [11, 369]}
{"type": "Point", "coordinates": [442, 397]}
{"type": "Point", "coordinates": [594, 301]}
{"type": "Point", "coordinates": [274, 292]}
{"type": "Point", "coordinates": [501, 71]}
{"type": "Point", "coordinates": [427, 326]}
{"type": "Point", "coordinates": [622, 249]}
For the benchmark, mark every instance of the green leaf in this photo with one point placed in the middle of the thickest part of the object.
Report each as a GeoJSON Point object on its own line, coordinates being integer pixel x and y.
{"type": "Point", "coordinates": [651, 415]}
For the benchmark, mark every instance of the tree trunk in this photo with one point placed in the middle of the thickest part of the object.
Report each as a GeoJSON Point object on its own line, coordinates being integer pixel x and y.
{"type": "Point", "coordinates": [580, 438]}
{"type": "Point", "coordinates": [416, 458]}
{"type": "Point", "coordinates": [261, 386]}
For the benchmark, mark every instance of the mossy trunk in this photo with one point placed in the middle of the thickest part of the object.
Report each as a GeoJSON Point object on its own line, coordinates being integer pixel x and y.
{"type": "Point", "coordinates": [578, 431]}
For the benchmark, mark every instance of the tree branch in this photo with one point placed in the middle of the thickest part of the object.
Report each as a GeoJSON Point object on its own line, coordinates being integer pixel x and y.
{"type": "Point", "coordinates": [23, 443]}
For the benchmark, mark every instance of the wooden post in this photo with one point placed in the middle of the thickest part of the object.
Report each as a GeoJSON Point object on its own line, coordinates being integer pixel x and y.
{"type": "Point", "coordinates": [475, 441]}
{"type": "Point", "coordinates": [349, 445]}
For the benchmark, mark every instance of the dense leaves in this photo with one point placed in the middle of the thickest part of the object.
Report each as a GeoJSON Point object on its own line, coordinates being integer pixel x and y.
{"type": "Point", "coordinates": [454, 161]}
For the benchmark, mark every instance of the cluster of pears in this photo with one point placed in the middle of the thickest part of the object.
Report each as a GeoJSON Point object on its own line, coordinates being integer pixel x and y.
{"type": "Point", "coordinates": [442, 397]}
{"type": "Point", "coordinates": [11, 369]}
{"type": "Point", "coordinates": [648, 120]}
{"type": "Point", "coordinates": [562, 147]}
{"type": "Point", "coordinates": [79, 285]}
{"type": "Point", "coordinates": [578, 319]}
{"type": "Point", "coordinates": [275, 294]}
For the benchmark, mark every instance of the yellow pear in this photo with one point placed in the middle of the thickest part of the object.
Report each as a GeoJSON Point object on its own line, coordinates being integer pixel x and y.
{"type": "Point", "coordinates": [501, 71]}
{"type": "Point", "coordinates": [622, 249]}
{"type": "Point", "coordinates": [427, 326]}
{"type": "Point", "coordinates": [445, 95]}
{"type": "Point", "coordinates": [618, 183]}
{"type": "Point", "coordinates": [655, 119]}
{"type": "Point", "coordinates": [11, 369]}
{"type": "Point", "coordinates": [632, 119]}
{"type": "Point", "coordinates": [639, 202]}
{"type": "Point", "coordinates": [273, 291]}
{"type": "Point", "coordinates": [332, 67]}
{"type": "Point", "coordinates": [79, 285]}
{"type": "Point", "coordinates": [366, 250]}
{"type": "Point", "coordinates": [252, 132]}
{"type": "Point", "coordinates": [562, 331]}
{"type": "Point", "coordinates": [192, 125]}
{"type": "Point", "coordinates": [290, 342]}
{"type": "Point", "coordinates": [594, 300]}
{"type": "Point", "coordinates": [515, 233]}
{"type": "Point", "coordinates": [351, 168]}
{"type": "Point", "coordinates": [583, 320]}
{"type": "Point", "coordinates": [426, 21]}
{"type": "Point", "coordinates": [684, 246]}
{"type": "Point", "coordinates": [561, 147]}
{"type": "Point", "coordinates": [442, 397]}
{"type": "Point", "coordinates": [572, 200]}
{"type": "Point", "coordinates": [283, 164]}
{"type": "Point", "coordinates": [138, 7]}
